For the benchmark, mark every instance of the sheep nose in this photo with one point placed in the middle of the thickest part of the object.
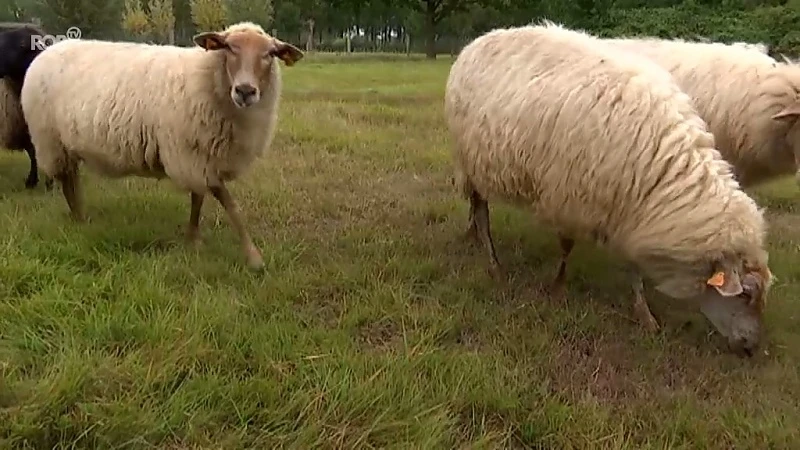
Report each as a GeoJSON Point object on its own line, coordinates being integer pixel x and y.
{"type": "Point", "coordinates": [245, 91]}
{"type": "Point", "coordinates": [745, 346]}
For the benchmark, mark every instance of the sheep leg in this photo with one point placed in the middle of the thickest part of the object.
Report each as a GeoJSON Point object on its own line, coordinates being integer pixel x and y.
{"type": "Point", "coordinates": [193, 230]}
{"type": "Point", "coordinates": [640, 308]}
{"type": "Point", "coordinates": [481, 220]}
{"type": "Point", "coordinates": [251, 252]}
{"type": "Point", "coordinates": [471, 234]}
{"type": "Point", "coordinates": [33, 174]}
{"type": "Point", "coordinates": [70, 186]}
{"type": "Point", "coordinates": [559, 283]}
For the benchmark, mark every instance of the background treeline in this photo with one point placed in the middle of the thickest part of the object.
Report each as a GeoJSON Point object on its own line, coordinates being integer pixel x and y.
{"type": "Point", "coordinates": [426, 26]}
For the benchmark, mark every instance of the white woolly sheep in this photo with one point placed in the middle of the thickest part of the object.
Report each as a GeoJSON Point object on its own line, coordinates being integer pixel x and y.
{"type": "Point", "coordinates": [199, 116]}
{"type": "Point", "coordinates": [748, 100]}
{"type": "Point", "coordinates": [604, 145]}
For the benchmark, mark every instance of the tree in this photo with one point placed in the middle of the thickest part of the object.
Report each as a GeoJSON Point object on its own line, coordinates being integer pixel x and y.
{"type": "Point", "coordinates": [13, 10]}
{"type": "Point", "coordinates": [92, 18]}
{"type": "Point", "coordinates": [434, 12]}
{"type": "Point", "coordinates": [256, 11]}
{"type": "Point", "coordinates": [162, 20]}
{"type": "Point", "coordinates": [134, 19]}
{"type": "Point", "coordinates": [209, 15]}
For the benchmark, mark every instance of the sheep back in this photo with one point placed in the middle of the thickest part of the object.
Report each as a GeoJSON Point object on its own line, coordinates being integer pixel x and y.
{"type": "Point", "coordinates": [736, 90]}
{"type": "Point", "coordinates": [601, 145]}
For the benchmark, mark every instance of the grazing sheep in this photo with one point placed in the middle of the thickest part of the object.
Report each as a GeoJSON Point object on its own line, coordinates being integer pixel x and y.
{"type": "Point", "coordinates": [748, 100]}
{"type": "Point", "coordinates": [603, 145]}
{"type": "Point", "coordinates": [199, 116]}
{"type": "Point", "coordinates": [16, 54]}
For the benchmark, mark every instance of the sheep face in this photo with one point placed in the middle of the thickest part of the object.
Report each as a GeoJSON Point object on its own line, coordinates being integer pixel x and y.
{"type": "Point", "coordinates": [16, 53]}
{"type": "Point", "coordinates": [249, 55]}
{"type": "Point", "coordinates": [734, 305]}
{"type": "Point", "coordinates": [732, 298]}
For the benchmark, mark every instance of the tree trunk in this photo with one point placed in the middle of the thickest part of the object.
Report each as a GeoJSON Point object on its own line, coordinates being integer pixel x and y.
{"type": "Point", "coordinates": [310, 39]}
{"type": "Point", "coordinates": [430, 31]}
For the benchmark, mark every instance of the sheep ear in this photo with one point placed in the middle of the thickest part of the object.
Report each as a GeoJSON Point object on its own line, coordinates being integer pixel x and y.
{"type": "Point", "coordinates": [210, 40]}
{"type": "Point", "coordinates": [287, 52]}
{"type": "Point", "coordinates": [789, 112]}
{"type": "Point", "coordinates": [726, 282]}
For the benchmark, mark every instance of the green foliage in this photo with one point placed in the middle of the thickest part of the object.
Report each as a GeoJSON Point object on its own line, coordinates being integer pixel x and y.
{"type": "Point", "coordinates": [773, 25]}
{"type": "Point", "coordinates": [209, 15]}
{"type": "Point", "coordinates": [93, 17]}
{"type": "Point", "coordinates": [256, 11]}
{"type": "Point", "coordinates": [14, 10]}
{"type": "Point", "coordinates": [162, 19]}
{"type": "Point", "coordinates": [135, 20]}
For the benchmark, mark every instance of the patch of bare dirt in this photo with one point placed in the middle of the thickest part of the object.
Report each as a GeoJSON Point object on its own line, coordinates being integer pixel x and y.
{"type": "Point", "coordinates": [611, 369]}
{"type": "Point", "coordinates": [379, 335]}
{"type": "Point", "coordinates": [599, 368]}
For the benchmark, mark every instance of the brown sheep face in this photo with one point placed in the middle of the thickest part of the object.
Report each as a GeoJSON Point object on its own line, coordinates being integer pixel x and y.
{"type": "Point", "coordinates": [734, 305]}
{"type": "Point", "coordinates": [249, 56]}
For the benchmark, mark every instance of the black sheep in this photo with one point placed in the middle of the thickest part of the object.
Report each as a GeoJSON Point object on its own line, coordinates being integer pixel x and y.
{"type": "Point", "coordinates": [17, 52]}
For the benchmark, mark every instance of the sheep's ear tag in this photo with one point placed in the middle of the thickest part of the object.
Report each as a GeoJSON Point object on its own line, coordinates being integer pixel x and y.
{"type": "Point", "coordinates": [726, 285]}
{"type": "Point", "coordinates": [717, 280]}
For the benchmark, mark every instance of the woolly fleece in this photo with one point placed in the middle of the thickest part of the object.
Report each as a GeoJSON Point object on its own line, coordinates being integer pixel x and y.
{"type": "Point", "coordinates": [601, 145]}
{"type": "Point", "coordinates": [146, 110]}
{"type": "Point", "coordinates": [736, 91]}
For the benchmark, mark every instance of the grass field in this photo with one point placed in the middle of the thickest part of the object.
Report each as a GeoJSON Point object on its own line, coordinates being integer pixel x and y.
{"type": "Point", "coordinates": [373, 325]}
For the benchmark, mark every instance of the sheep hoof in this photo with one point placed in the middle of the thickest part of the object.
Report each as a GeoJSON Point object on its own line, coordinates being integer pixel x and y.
{"type": "Point", "coordinates": [193, 239]}
{"type": "Point", "coordinates": [497, 274]}
{"type": "Point", "coordinates": [648, 323]}
{"type": "Point", "coordinates": [254, 260]}
{"type": "Point", "coordinates": [470, 235]}
{"type": "Point", "coordinates": [557, 291]}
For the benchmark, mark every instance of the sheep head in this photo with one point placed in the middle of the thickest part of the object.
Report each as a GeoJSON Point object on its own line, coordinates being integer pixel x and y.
{"type": "Point", "coordinates": [249, 55]}
{"type": "Point", "coordinates": [734, 301]}
{"type": "Point", "coordinates": [731, 292]}
{"type": "Point", "coordinates": [17, 51]}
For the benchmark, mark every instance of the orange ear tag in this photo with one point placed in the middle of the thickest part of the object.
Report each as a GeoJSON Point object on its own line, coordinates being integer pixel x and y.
{"type": "Point", "coordinates": [716, 280]}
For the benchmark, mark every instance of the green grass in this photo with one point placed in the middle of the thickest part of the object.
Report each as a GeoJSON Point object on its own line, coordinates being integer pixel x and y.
{"type": "Point", "coordinates": [373, 325]}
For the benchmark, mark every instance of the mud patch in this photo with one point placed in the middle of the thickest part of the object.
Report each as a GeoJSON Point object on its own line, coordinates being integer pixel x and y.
{"type": "Point", "coordinates": [380, 335]}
